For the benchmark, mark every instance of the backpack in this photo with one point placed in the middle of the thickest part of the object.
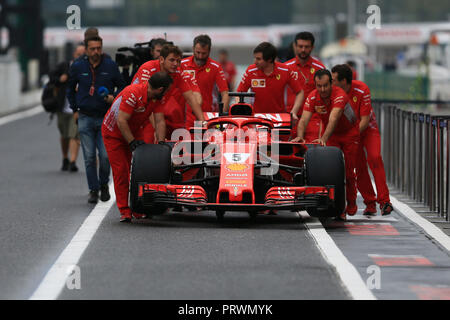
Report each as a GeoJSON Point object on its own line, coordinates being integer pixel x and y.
{"type": "Point", "coordinates": [49, 98]}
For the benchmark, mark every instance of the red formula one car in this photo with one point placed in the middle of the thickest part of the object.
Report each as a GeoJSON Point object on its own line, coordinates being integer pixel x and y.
{"type": "Point", "coordinates": [238, 162]}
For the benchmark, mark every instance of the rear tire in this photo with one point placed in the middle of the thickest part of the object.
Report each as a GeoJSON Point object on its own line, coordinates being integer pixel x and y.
{"type": "Point", "coordinates": [325, 166]}
{"type": "Point", "coordinates": [151, 163]}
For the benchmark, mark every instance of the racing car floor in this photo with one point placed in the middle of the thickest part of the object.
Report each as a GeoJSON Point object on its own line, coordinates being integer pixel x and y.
{"type": "Point", "coordinates": [191, 255]}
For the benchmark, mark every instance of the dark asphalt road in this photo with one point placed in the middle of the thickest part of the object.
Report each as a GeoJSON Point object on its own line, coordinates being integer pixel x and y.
{"type": "Point", "coordinates": [188, 255]}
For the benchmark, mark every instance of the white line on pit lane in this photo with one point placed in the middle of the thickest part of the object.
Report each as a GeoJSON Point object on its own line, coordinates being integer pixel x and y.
{"type": "Point", "coordinates": [346, 271]}
{"type": "Point", "coordinates": [55, 279]}
{"type": "Point", "coordinates": [21, 115]}
{"type": "Point", "coordinates": [423, 223]}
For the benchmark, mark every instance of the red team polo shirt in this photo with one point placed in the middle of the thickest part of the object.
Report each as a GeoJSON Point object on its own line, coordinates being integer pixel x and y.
{"type": "Point", "coordinates": [269, 90]}
{"type": "Point", "coordinates": [306, 73]}
{"type": "Point", "coordinates": [205, 77]}
{"type": "Point", "coordinates": [347, 124]}
{"type": "Point", "coordinates": [134, 101]}
{"type": "Point", "coordinates": [174, 112]}
{"type": "Point", "coordinates": [180, 79]}
{"type": "Point", "coordinates": [360, 100]}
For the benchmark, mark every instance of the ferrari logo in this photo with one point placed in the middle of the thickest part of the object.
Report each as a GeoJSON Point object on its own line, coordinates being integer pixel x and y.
{"type": "Point", "coordinates": [278, 77]}
{"type": "Point", "coordinates": [355, 99]}
{"type": "Point", "coordinates": [208, 69]}
{"type": "Point", "coordinates": [313, 70]}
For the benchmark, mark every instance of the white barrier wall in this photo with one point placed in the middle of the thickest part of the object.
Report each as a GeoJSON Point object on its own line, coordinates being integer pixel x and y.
{"type": "Point", "coordinates": [10, 85]}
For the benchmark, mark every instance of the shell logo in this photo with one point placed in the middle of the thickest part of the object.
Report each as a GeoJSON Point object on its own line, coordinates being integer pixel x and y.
{"type": "Point", "coordinates": [237, 167]}
{"type": "Point", "coordinates": [321, 109]}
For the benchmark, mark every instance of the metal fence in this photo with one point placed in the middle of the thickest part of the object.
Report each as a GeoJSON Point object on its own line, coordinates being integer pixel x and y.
{"type": "Point", "coordinates": [416, 154]}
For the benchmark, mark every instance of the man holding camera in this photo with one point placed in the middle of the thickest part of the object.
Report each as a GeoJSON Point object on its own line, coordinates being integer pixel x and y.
{"type": "Point", "coordinates": [182, 90]}
{"type": "Point", "coordinates": [122, 131]}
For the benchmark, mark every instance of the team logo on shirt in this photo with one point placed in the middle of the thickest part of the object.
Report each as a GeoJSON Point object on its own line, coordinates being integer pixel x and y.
{"type": "Point", "coordinates": [278, 76]}
{"type": "Point", "coordinates": [259, 83]}
{"type": "Point", "coordinates": [191, 73]}
{"type": "Point", "coordinates": [313, 70]}
{"type": "Point", "coordinates": [208, 69]}
{"type": "Point", "coordinates": [355, 99]}
{"type": "Point", "coordinates": [321, 109]}
{"type": "Point", "coordinates": [140, 110]}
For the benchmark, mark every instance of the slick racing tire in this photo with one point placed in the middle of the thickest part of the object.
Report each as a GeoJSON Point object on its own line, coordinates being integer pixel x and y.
{"type": "Point", "coordinates": [325, 166]}
{"type": "Point", "coordinates": [151, 163]}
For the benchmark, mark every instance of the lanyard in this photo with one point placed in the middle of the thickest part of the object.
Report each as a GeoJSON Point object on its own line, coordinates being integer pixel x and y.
{"type": "Point", "coordinates": [92, 89]}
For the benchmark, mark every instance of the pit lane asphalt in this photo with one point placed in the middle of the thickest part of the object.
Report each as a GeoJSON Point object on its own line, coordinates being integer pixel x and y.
{"type": "Point", "coordinates": [189, 255]}
{"type": "Point", "coordinates": [182, 256]}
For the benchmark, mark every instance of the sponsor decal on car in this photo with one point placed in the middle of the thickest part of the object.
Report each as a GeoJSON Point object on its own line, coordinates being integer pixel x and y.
{"type": "Point", "coordinates": [237, 167]}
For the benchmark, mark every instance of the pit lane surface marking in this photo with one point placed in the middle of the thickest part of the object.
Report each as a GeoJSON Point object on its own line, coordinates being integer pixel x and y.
{"type": "Point", "coordinates": [424, 224]}
{"type": "Point", "coordinates": [347, 273]}
{"type": "Point", "coordinates": [21, 115]}
{"type": "Point", "coordinates": [55, 279]}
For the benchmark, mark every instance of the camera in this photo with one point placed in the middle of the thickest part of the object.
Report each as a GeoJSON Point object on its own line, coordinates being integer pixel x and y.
{"type": "Point", "coordinates": [140, 53]}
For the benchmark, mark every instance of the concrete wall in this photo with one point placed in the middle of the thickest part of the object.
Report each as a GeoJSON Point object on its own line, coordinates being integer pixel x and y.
{"type": "Point", "coordinates": [10, 85]}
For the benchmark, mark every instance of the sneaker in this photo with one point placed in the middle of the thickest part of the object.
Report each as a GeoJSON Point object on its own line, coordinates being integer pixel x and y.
{"type": "Point", "coordinates": [341, 217]}
{"type": "Point", "coordinates": [371, 210]}
{"type": "Point", "coordinates": [351, 210]}
{"type": "Point", "coordinates": [93, 196]}
{"type": "Point", "coordinates": [138, 216]}
{"type": "Point", "coordinates": [125, 217]}
{"type": "Point", "coordinates": [104, 193]}
{"type": "Point", "coordinates": [65, 165]}
{"type": "Point", "coordinates": [386, 209]}
{"type": "Point", "coordinates": [73, 167]}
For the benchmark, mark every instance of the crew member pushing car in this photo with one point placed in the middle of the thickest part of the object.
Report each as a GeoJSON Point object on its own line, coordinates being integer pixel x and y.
{"type": "Point", "coordinates": [359, 96]}
{"type": "Point", "coordinates": [122, 131]}
{"type": "Point", "coordinates": [341, 128]}
{"type": "Point", "coordinates": [305, 67]}
{"type": "Point", "coordinates": [206, 72]}
{"type": "Point", "coordinates": [183, 90]}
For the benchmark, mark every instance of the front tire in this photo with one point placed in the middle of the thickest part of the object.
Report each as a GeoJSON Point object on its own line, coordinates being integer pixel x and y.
{"type": "Point", "coordinates": [151, 163]}
{"type": "Point", "coordinates": [325, 166]}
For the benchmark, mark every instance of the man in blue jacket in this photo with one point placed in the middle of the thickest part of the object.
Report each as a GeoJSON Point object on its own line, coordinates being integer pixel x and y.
{"type": "Point", "coordinates": [86, 76]}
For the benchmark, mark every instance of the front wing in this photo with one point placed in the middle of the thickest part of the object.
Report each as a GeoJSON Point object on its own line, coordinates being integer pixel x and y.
{"type": "Point", "coordinates": [285, 198]}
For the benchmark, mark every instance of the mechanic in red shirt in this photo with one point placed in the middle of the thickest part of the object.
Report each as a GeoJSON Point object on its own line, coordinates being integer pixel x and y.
{"type": "Point", "coordinates": [206, 72]}
{"type": "Point", "coordinates": [183, 89]}
{"type": "Point", "coordinates": [352, 66]}
{"type": "Point", "coordinates": [122, 131]}
{"type": "Point", "coordinates": [228, 67]}
{"type": "Point", "coordinates": [370, 142]}
{"type": "Point", "coordinates": [331, 103]}
{"type": "Point", "coordinates": [305, 67]}
{"type": "Point", "coordinates": [268, 79]}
